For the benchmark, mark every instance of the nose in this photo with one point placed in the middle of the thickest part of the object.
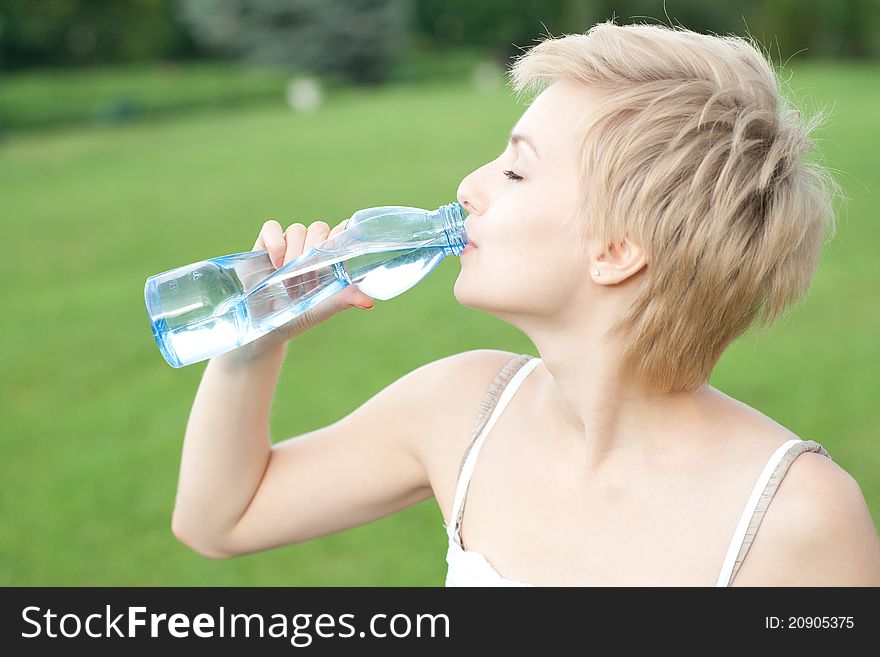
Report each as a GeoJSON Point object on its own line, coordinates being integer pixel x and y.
{"type": "Point", "coordinates": [467, 197]}
{"type": "Point", "coordinates": [465, 200]}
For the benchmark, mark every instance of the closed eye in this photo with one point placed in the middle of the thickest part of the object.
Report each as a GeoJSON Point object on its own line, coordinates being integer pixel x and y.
{"type": "Point", "coordinates": [510, 174]}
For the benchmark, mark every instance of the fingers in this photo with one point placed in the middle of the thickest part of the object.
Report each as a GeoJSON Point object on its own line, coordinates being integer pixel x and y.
{"type": "Point", "coordinates": [294, 236]}
{"type": "Point", "coordinates": [287, 245]}
{"type": "Point", "coordinates": [300, 239]}
{"type": "Point", "coordinates": [318, 232]}
{"type": "Point", "coordinates": [338, 228]}
{"type": "Point", "coordinates": [271, 238]}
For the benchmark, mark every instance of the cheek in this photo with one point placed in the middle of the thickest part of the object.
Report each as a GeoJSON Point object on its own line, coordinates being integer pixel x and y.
{"type": "Point", "coordinates": [538, 242]}
{"type": "Point", "coordinates": [515, 237]}
{"type": "Point", "coordinates": [520, 279]}
{"type": "Point", "coordinates": [527, 257]}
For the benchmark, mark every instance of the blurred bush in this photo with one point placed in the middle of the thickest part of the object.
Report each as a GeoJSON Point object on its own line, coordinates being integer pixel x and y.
{"type": "Point", "coordinates": [358, 39]}
{"type": "Point", "coordinates": [50, 33]}
{"type": "Point", "coordinates": [118, 94]}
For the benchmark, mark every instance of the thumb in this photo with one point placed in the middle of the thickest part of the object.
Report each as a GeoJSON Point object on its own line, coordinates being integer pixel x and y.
{"type": "Point", "coordinates": [358, 299]}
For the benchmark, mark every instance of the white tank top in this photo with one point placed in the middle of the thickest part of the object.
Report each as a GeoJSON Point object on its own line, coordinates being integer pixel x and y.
{"type": "Point", "coordinates": [470, 568]}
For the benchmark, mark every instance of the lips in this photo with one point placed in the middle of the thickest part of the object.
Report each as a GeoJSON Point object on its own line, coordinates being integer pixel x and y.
{"type": "Point", "coordinates": [470, 242]}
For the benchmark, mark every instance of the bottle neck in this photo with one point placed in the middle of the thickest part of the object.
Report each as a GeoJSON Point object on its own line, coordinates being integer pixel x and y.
{"type": "Point", "coordinates": [452, 216]}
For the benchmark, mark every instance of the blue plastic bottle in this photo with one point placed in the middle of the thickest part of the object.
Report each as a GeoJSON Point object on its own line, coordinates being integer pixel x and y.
{"type": "Point", "coordinates": [210, 307]}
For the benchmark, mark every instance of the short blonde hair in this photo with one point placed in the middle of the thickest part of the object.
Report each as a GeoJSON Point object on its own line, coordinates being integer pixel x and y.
{"type": "Point", "coordinates": [694, 154]}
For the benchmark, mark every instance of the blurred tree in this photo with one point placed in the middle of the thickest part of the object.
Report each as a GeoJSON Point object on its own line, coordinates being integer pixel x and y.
{"type": "Point", "coordinates": [362, 38]}
{"type": "Point", "coordinates": [785, 27]}
{"type": "Point", "coordinates": [359, 39]}
{"type": "Point", "coordinates": [85, 32]}
{"type": "Point", "coordinates": [847, 28]}
{"type": "Point", "coordinates": [498, 26]}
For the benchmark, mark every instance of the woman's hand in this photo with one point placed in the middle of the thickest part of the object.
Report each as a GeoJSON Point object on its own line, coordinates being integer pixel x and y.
{"type": "Point", "coordinates": [286, 246]}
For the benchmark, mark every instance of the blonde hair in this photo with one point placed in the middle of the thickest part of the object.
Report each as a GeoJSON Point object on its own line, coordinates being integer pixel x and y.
{"type": "Point", "coordinates": [693, 153]}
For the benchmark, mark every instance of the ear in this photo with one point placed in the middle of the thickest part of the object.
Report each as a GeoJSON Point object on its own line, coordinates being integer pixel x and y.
{"type": "Point", "coordinates": [622, 261]}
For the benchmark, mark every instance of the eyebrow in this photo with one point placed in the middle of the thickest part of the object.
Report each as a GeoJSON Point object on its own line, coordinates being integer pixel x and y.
{"type": "Point", "coordinates": [516, 138]}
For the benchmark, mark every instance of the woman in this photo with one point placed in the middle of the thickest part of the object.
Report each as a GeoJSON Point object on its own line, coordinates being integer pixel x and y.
{"type": "Point", "coordinates": [653, 202]}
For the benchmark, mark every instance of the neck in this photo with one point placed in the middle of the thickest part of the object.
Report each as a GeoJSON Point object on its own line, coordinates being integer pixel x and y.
{"type": "Point", "coordinates": [612, 423]}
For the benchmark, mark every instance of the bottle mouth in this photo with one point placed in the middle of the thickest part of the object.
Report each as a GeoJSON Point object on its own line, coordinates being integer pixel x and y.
{"type": "Point", "coordinates": [453, 215]}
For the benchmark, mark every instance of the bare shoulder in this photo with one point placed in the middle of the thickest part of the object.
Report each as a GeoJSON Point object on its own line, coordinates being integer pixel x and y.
{"type": "Point", "coordinates": [457, 384]}
{"type": "Point", "coordinates": [473, 360]}
{"type": "Point", "coordinates": [817, 531]}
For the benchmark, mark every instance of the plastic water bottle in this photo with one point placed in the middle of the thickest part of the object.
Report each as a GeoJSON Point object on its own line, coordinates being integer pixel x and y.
{"type": "Point", "coordinates": [210, 307]}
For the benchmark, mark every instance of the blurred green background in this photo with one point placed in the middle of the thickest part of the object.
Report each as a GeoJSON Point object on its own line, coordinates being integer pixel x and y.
{"type": "Point", "coordinates": [139, 136]}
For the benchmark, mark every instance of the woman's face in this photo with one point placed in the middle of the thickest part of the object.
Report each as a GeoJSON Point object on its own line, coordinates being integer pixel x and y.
{"type": "Point", "coordinates": [525, 263]}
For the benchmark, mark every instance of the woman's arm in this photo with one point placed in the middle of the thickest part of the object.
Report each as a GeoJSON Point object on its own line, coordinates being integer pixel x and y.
{"type": "Point", "coordinates": [238, 496]}
{"type": "Point", "coordinates": [237, 493]}
{"type": "Point", "coordinates": [227, 447]}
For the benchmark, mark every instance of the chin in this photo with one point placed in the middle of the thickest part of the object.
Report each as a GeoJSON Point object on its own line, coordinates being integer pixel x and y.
{"type": "Point", "coordinates": [465, 294]}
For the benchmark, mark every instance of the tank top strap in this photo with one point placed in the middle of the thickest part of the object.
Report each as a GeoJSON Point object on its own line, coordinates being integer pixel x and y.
{"type": "Point", "coordinates": [756, 506]}
{"type": "Point", "coordinates": [493, 404]}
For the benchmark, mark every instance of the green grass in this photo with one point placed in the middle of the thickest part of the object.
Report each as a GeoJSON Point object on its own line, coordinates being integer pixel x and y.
{"type": "Point", "coordinates": [93, 418]}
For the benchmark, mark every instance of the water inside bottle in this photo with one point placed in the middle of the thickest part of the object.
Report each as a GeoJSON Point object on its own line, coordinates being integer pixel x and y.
{"type": "Point", "coordinates": [216, 310]}
{"type": "Point", "coordinates": [386, 274]}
